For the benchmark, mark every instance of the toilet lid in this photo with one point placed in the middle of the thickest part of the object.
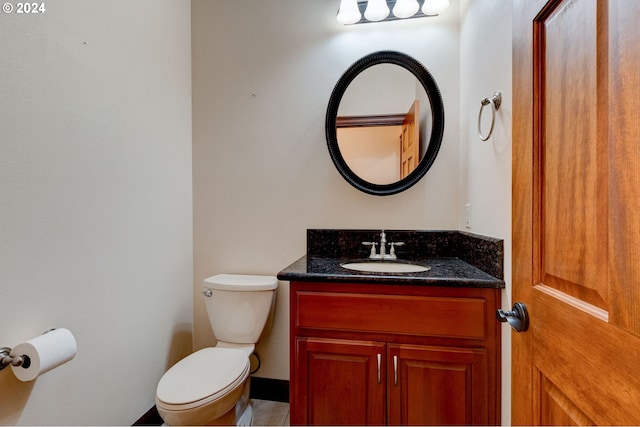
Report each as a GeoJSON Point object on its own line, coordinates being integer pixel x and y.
{"type": "Point", "coordinates": [202, 374]}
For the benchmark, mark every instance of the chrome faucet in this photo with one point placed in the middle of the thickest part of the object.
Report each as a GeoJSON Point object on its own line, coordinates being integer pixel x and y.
{"type": "Point", "coordinates": [383, 242]}
{"type": "Point", "coordinates": [383, 248]}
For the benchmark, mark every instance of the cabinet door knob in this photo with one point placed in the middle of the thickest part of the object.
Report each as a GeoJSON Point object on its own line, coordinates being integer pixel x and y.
{"type": "Point", "coordinates": [379, 367]}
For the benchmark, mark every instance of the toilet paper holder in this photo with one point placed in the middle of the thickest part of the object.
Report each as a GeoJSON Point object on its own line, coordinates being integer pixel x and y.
{"type": "Point", "coordinates": [6, 359]}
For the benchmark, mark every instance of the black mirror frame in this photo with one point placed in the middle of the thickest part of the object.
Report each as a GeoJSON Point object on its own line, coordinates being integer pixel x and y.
{"type": "Point", "coordinates": [437, 111]}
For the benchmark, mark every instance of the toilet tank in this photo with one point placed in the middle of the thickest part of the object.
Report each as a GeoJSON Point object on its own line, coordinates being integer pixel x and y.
{"type": "Point", "coordinates": [238, 306]}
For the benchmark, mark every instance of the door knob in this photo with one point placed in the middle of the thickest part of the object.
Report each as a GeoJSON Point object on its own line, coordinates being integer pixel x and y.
{"type": "Point", "coordinates": [518, 318]}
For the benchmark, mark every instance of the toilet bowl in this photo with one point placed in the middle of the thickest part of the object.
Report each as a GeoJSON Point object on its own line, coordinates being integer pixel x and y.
{"type": "Point", "coordinates": [204, 388]}
{"type": "Point", "coordinates": [211, 386]}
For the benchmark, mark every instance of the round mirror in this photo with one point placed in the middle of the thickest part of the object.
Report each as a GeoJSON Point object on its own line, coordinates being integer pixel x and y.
{"type": "Point", "coordinates": [385, 122]}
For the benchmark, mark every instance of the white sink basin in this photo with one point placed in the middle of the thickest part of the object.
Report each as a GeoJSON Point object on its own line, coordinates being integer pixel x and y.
{"type": "Point", "coordinates": [385, 267]}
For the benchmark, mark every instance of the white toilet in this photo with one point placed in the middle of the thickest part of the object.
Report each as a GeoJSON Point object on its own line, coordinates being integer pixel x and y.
{"type": "Point", "coordinates": [211, 386]}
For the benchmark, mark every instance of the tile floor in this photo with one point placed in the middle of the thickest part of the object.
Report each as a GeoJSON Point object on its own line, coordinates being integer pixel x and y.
{"type": "Point", "coordinates": [269, 413]}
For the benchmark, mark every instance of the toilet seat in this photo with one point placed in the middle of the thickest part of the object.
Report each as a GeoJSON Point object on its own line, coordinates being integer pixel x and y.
{"type": "Point", "coordinates": [202, 378]}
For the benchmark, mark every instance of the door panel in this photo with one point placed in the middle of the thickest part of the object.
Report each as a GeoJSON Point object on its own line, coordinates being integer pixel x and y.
{"type": "Point", "coordinates": [339, 382]}
{"type": "Point", "coordinates": [569, 181]}
{"type": "Point", "coordinates": [556, 408]}
{"type": "Point", "coordinates": [437, 386]}
{"type": "Point", "coordinates": [591, 361]}
{"type": "Point", "coordinates": [576, 197]}
{"type": "Point", "coordinates": [624, 167]}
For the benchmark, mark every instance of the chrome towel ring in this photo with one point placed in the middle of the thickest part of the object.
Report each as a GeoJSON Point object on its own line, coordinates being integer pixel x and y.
{"type": "Point", "coordinates": [495, 102]}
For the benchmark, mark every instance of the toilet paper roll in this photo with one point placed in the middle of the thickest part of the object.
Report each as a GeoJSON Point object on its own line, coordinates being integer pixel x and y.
{"type": "Point", "coordinates": [44, 353]}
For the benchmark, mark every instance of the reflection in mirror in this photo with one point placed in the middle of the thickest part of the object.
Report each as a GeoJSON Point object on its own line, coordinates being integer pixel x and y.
{"type": "Point", "coordinates": [382, 128]}
{"type": "Point", "coordinates": [384, 123]}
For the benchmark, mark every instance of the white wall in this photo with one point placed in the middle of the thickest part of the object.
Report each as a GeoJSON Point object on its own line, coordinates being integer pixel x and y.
{"type": "Point", "coordinates": [263, 72]}
{"type": "Point", "coordinates": [485, 67]}
{"type": "Point", "coordinates": [95, 203]}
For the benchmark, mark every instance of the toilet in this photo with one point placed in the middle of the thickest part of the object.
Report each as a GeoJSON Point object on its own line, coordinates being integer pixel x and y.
{"type": "Point", "coordinates": [211, 386]}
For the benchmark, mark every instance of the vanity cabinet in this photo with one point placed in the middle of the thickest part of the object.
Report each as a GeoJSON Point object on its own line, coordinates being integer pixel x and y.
{"type": "Point", "coordinates": [365, 354]}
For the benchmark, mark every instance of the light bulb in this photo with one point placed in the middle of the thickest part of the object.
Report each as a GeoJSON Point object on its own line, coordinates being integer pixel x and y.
{"type": "Point", "coordinates": [348, 12]}
{"type": "Point", "coordinates": [405, 8]}
{"type": "Point", "coordinates": [376, 10]}
{"type": "Point", "coordinates": [434, 7]}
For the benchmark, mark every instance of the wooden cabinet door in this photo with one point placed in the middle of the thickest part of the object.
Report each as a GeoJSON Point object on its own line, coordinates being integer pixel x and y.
{"type": "Point", "coordinates": [576, 211]}
{"type": "Point", "coordinates": [437, 385]}
{"type": "Point", "coordinates": [339, 382]}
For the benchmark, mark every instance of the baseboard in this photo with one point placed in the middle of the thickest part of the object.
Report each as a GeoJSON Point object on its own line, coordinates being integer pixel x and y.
{"type": "Point", "coordinates": [261, 388]}
{"type": "Point", "coordinates": [269, 389]}
{"type": "Point", "coordinates": [150, 418]}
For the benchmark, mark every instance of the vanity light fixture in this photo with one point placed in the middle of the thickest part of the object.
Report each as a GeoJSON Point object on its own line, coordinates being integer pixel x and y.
{"type": "Point", "coordinates": [364, 11]}
{"type": "Point", "coordinates": [349, 13]}
{"type": "Point", "coordinates": [376, 10]}
{"type": "Point", "coordinates": [406, 8]}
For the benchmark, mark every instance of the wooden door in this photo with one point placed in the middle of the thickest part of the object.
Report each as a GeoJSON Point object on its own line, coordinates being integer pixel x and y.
{"type": "Point", "coordinates": [342, 382]}
{"type": "Point", "coordinates": [576, 211]}
{"type": "Point", "coordinates": [410, 140]}
{"type": "Point", "coordinates": [437, 385]}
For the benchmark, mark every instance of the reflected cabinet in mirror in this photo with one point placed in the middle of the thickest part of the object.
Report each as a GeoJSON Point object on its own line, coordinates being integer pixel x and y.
{"type": "Point", "coordinates": [384, 123]}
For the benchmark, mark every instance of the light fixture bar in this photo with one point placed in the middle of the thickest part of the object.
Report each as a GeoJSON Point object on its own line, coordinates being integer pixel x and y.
{"type": "Point", "coordinates": [362, 6]}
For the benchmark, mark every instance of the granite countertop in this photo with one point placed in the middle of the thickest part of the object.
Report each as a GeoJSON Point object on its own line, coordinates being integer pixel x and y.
{"type": "Point", "coordinates": [450, 272]}
{"type": "Point", "coordinates": [457, 259]}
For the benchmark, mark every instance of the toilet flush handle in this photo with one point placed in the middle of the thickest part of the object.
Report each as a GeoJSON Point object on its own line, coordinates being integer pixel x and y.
{"type": "Point", "coordinates": [207, 293]}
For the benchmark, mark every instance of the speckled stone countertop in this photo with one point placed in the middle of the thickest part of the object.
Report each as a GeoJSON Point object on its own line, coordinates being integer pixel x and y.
{"type": "Point", "coordinates": [457, 259]}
